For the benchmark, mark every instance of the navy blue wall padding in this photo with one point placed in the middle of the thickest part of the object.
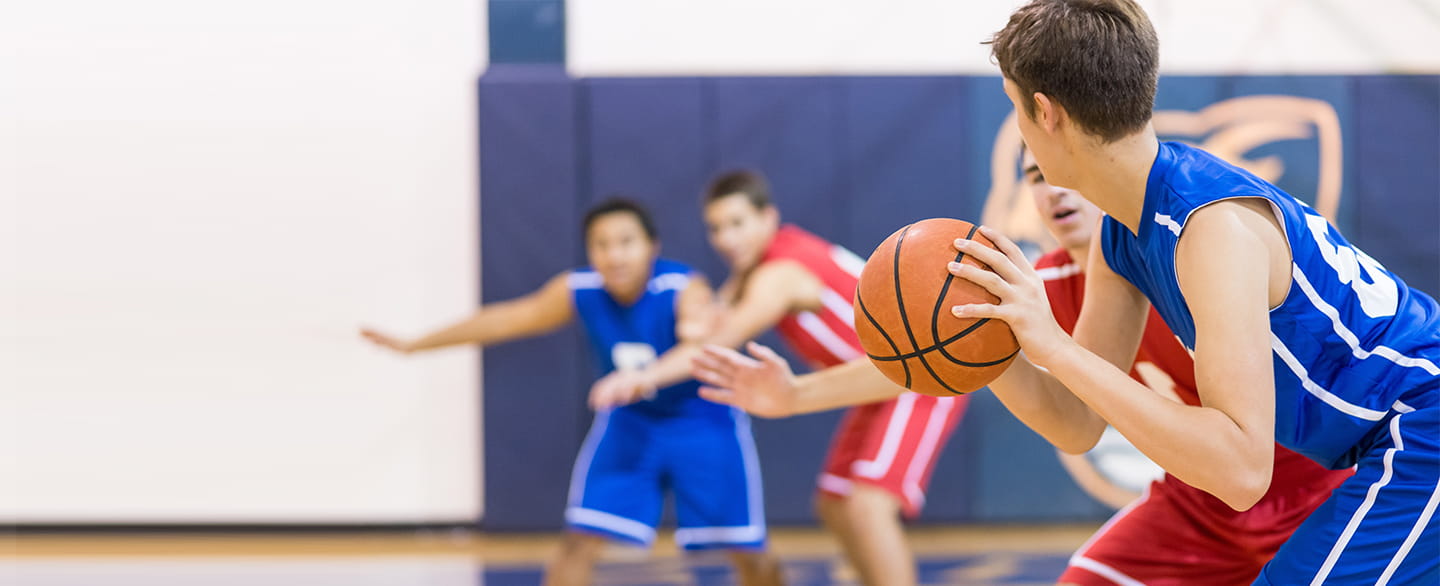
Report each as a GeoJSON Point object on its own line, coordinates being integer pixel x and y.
{"type": "Point", "coordinates": [852, 159]}
{"type": "Point", "coordinates": [1398, 168]}
{"type": "Point", "coordinates": [534, 412]}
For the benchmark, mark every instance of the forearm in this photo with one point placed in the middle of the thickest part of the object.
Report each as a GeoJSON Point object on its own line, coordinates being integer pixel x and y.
{"type": "Point", "coordinates": [1044, 405]}
{"type": "Point", "coordinates": [1201, 446]}
{"type": "Point", "coordinates": [487, 326]}
{"type": "Point", "coordinates": [470, 331]}
{"type": "Point", "coordinates": [854, 383]}
{"type": "Point", "coordinates": [673, 366]}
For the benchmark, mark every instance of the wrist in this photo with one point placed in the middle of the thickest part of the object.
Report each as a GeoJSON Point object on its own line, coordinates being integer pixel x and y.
{"type": "Point", "coordinates": [1047, 356]}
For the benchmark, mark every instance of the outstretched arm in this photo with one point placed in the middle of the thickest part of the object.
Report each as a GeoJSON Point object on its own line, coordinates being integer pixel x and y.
{"type": "Point", "coordinates": [765, 386]}
{"type": "Point", "coordinates": [544, 310]}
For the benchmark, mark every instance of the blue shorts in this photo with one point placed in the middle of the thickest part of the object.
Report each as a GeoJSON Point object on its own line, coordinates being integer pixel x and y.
{"type": "Point", "coordinates": [1380, 526]}
{"type": "Point", "coordinates": [631, 458]}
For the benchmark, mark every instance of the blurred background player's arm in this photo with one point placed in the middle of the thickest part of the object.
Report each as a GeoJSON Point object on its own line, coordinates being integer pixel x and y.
{"type": "Point", "coordinates": [765, 386]}
{"type": "Point", "coordinates": [539, 312]}
{"type": "Point", "coordinates": [769, 292]}
{"type": "Point", "coordinates": [1093, 482]}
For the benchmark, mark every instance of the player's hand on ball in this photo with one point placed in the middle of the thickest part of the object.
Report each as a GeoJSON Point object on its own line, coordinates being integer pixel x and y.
{"type": "Point", "coordinates": [386, 341]}
{"type": "Point", "coordinates": [621, 387]}
{"type": "Point", "coordinates": [1023, 304]}
{"type": "Point", "coordinates": [763, 386]}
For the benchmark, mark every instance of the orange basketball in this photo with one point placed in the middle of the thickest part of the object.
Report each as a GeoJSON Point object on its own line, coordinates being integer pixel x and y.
{"type": "Point", "coordinates": [902, 313]}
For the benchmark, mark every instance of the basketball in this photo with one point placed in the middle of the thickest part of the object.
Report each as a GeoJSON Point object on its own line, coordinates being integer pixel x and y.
{"type": "Point", "coordinates": [902, 313]}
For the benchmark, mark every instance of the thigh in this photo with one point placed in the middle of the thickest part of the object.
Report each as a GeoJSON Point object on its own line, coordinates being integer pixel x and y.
{"type": "Point", "coordinates": [1380, 525]}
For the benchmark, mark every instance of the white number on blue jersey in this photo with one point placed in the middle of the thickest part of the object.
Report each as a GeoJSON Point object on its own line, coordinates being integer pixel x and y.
{"type": "Point", "coordinates": [632, 355]}
{"type": "Point", "coordinates": [1379, 295]}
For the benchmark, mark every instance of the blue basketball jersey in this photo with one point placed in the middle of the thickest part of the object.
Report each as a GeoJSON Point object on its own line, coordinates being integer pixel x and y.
{"type": "Point", "coordinates": [1351, 342]}
{"type": "Point", "coordinates": [631, 336]}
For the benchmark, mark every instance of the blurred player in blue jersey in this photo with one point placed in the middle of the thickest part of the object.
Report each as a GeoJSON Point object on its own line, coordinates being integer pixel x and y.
{"type": "Point", "coordinates": [1298, 337]}
{"type": "Point", "coordinates": [635, 306]}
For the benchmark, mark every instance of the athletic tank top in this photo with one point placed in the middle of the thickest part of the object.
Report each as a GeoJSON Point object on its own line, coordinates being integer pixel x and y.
{"type": "Point", "coordinates": [1351, 342]}
{"type": "Point", "coordinates": [826, 336]}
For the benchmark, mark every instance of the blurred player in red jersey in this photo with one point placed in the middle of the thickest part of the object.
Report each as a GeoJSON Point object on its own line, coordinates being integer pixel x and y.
{"type": "Point", "coordinates": [785, 278]}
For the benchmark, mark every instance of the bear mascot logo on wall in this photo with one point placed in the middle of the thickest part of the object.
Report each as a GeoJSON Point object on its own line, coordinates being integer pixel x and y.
{"type": "Point", "coordinates": [1231, 129]}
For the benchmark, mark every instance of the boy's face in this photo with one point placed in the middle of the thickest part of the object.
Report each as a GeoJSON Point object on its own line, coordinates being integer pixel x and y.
{"type": "Point", "coordinates": [1037, 141]}
{"type": "Point", "coordinates": [739, 231]}
{"type": "Point", "coordinates": [1067, 215]}
{"type": "Point", "coordinates": [621, 252]}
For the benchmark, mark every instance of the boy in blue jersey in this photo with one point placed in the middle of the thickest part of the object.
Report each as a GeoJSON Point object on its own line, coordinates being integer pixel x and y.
{"type": "Point", "coordinates": [635, 306]}
{"type": "Point", "coordinates": [1298, 337]}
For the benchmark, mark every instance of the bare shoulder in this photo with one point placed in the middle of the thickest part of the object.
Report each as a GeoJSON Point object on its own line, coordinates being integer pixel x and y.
{"type": "Point", "coordinates": [1242, 234]}
{"type": "Point", "coordinates": [1248, 214]}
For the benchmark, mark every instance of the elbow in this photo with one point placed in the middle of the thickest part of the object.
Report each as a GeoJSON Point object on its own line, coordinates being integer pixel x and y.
{"type": "Point", "coordinates": [1078, 443]}
{"type": "Point", "coordinates": [1246, 488]}
{"type": "Point", "coordinates": [1074, 448]}
{"type": "Point", "coordinates": [1081, 438]}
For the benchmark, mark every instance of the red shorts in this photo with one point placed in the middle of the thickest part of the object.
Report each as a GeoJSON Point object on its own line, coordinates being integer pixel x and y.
{"type": "Point", "coordinates": [1176, 534]}
{"type": "Point", "coordinates": [892, 445]}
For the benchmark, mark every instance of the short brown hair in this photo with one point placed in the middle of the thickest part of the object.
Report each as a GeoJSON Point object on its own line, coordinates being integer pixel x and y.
{"type": "Point", "coordinates": [745, 182]}
{"type": "Point", "coordinates": [1097, 58]}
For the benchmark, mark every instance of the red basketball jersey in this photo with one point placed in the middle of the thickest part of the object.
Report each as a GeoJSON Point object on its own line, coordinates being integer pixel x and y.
{"type": "Point", "coordinates": [1065, 286]}
{"type": "Point", "coordinates": [826, 336]}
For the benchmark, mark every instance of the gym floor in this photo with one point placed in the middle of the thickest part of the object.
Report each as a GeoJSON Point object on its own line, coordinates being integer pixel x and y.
{"type": "Point", "coordinates": [970, 555]}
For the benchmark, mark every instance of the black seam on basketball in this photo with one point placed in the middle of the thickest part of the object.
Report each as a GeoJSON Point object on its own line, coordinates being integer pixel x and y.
{"type": "Point", "coordinates": [903, 357]}
{"type": "Point", "coordinates": [940, 302]}
{"type": "Point", "coordinates": [900, 301]}
{"type": "Point", "coordinates": [983, 364]}
{"type": "Point", "coordinates": [861, 302]}
{"type": "Point", "coordinates": [917, 353]}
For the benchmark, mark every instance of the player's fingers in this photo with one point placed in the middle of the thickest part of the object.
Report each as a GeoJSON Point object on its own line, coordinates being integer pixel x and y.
{"type": "Point", "coordinates": [715, 354]}
{"type": "Point", "coordinates": [765, 354]}
{"type": "Point", "coordinates": [718, 395]}
{"type": "Point", "coordinates": [1006, 245]}
{"type": "Point", "coordinates": [996, 260]}
{"type": "Point", "coordinates": [709, 376]}
{"type": "Point", "coordinates": [729, 357]}
{"type": "Point", "coordinates": [978, 311]}
{"type": "Point", "coordinates": [992, 282]}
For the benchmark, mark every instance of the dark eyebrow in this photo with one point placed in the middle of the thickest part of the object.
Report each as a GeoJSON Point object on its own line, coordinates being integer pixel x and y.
{"type": "Point", "coordinates": [1033, 168]}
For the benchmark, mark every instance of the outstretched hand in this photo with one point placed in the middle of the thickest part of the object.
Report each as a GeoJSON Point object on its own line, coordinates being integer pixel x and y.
{"type": "Point", "coordinates": [1023, 304]}
{"type": "Point", "coordinates": [763, 386]}
{"type": "Point", "coordinates": [386, 341]}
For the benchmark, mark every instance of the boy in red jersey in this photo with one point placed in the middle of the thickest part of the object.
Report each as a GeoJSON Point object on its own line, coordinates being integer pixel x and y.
{"type": "Point", "coordinates": [785, 278]}
{"type": "Point", "coordinates": [1175, 533]}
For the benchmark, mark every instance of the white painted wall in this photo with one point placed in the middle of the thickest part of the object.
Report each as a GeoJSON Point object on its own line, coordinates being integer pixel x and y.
{"type": "Point", "coordinates": [827, 37]}
{"type": "Point", "coordinates": [201, 202]}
